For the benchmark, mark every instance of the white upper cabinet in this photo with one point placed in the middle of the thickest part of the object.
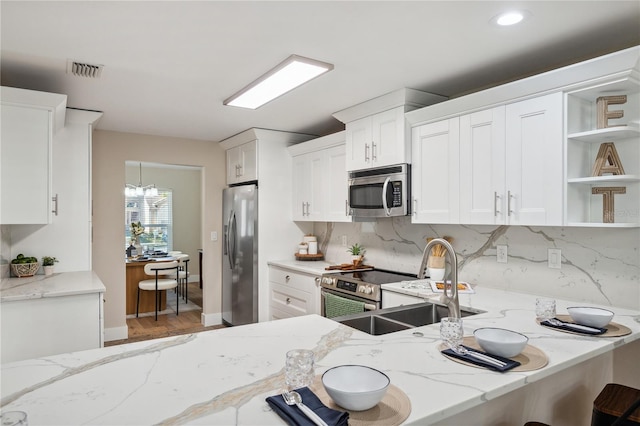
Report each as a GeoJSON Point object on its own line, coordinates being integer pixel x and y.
{"type": "Point", "coordinates": [320, 180]}
{"type": "Point", "coordinates": [377, 133]}
{"type": "Point", "coordinates": [435, 172]}
{"type": "Point", "coordinates": [534, 161]}
{"type": "Point", "coordinates": [510, 163]}
{"type": "Point", "coordinates": [29, 121]}
{"type": "Point", "coordinates": [528, 149]}
{"type": "Point", "coordinates": [378, 140]}
{"type": "Point", "coordinates": [242, 163]}
{"type": "Point", "coordinates": [482, 167]}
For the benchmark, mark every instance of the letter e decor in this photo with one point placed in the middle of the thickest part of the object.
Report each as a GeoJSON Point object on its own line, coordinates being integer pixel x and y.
{"type": "Point", "coordinates": [607, 161]}
{"type": "Point", "coordinates": [603, 113]}
{"type": "Point", "coordinates": [607, 200]}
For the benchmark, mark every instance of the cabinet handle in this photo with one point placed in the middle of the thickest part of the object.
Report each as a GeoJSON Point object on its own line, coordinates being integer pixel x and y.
{"type": "Point", "coordinates": [287, 278]}
{"type": "Point", "coordinates": [366, 153]}
{"type": "Point", "coordinates": [415, 206]}
{"type": "Point", "coordinates": [240, 172]}
{"type": "Point", "coordinates": [373, 152]}
{"type": "Point", "coordinates": [496, 197]}
{"type": "Point", "coordinates": [303, 208]}
{"type": "Point", "coordinates": [346, 207]}
{"type": "Point", "coordinates": [55, 205]}
{"type": "Point", "coordinates": [288, 300]}
{"type": "Point", "coordinates": [509, 196]}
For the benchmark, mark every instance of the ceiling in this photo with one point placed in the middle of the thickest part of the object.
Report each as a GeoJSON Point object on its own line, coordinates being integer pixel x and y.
{"type": "Point", "coordinates": [169, 65]}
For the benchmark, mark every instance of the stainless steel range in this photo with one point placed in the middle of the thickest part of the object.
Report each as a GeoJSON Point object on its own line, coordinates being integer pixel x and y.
{"type": "Point", "coordinates": [361, 286]}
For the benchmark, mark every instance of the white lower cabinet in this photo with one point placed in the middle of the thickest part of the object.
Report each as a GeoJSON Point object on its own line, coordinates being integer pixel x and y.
{"type": "Point", "coordinates": [46, 326]}
{"type": "Point", "coordinates": [293, 293]}
{"type": "Point", "coordinates": [391, 299]}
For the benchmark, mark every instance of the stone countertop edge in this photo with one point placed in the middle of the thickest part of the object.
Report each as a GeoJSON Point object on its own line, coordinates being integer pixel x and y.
{"type": "Point", "coordinates": [56, 285]}
{"type": "Point", "coordinates": [224, 375]}
{"type": "Point", "coordinates": [314, 267]}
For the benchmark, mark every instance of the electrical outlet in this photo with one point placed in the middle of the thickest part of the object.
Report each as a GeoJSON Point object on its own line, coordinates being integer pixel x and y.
{"type": "Point", "coordinates": [344, 240]}
{"type": "Point", "coordinates": [501, 254]}
{"type": "Point", "coordinates": [554, 257]}
{"type": "Point", "coordinates": [214, 235]}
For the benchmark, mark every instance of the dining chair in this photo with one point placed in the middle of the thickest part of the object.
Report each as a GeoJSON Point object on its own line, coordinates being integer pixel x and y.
{"type": "Point", "coordinates": [159, 270]}
{"type": "Point", "coordinates": [183, 275]}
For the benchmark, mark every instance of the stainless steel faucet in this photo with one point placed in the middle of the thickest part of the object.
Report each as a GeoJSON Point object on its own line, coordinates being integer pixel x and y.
{"type": "Point", "coordinates": [449, 298]}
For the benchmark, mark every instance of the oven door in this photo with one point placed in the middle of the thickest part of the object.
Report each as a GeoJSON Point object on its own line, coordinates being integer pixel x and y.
{"type": "Point", "coordinates": [380, 192]}
{"type": "Point", "coordinates": [369, 305]}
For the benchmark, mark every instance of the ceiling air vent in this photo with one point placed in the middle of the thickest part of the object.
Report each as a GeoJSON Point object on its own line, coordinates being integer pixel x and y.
{"type": "Point", "coordinates": [83, 69]}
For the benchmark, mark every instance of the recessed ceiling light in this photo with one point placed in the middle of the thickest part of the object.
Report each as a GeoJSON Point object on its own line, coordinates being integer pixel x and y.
{"type": "Point", "coordinates": [289, 74]}
{"type": "Point", "coordinates": [509, 18]}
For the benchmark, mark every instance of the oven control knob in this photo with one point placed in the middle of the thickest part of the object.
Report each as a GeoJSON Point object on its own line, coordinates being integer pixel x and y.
{"type": "Point", "coordinates": [366, 289]}
{"type": "Point", "coordinates": [327, 280]}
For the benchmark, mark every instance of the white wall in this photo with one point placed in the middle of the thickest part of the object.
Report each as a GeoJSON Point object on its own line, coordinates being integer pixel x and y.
{"type": "Point", "coordinates": [599, 265]}
{"type": "Point", "coordinates": [110, 151]}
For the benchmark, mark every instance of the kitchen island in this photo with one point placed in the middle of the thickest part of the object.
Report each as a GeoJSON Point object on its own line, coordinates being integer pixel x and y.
{"type": "Point", "coordinates": [223, 376]}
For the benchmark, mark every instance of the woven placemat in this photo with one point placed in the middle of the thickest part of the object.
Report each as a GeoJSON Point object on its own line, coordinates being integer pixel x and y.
{"type": "Point", "coordinates": [613, 329]}
{"type": "Point", "coordinates": [393, 409]}
{"type": "Point", "coordinates": [531, 358]}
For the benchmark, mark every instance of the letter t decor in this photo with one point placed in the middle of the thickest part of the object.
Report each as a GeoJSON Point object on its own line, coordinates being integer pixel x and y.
{"type": "Point", "coordinates": [607, 200]}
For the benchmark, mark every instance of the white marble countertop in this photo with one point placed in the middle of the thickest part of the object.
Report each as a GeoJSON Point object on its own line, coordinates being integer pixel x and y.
{"type": "Point", "coordinates": [56, 285]}
{"type": "Point", "coordinates": [223, 376]}
{"type": "Point", "coordinates": [315, 267]}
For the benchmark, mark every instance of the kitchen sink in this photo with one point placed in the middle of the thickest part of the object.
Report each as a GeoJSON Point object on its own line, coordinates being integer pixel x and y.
{"type": "Point", "coordinates": [375, 325]}
{"type": "Point", "coordinates": [390, 320]}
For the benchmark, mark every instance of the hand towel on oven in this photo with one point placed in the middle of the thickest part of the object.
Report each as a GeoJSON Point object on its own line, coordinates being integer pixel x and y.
{"type": "Point", "coordinates": [336, 306]}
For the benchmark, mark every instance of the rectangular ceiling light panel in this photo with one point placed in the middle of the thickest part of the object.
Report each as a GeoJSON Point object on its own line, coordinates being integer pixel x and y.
{"type": "Point", "coordinates": [293, 72]}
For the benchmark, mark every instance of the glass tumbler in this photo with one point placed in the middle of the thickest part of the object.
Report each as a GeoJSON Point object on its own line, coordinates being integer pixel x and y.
{"type": "Point", "coordinates": [299, 368]}
{"type": "Point", "coordinates": [451, 331]}
{"type": "Point", "coordinates": [545, 309]}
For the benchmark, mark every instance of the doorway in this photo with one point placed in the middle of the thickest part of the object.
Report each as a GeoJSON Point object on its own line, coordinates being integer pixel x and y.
{"type": "Point", "coordinates": [171, 224]}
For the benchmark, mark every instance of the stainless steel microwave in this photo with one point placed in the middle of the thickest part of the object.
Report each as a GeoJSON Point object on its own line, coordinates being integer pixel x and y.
{"type": "Point", "coordinates": [380, 192]}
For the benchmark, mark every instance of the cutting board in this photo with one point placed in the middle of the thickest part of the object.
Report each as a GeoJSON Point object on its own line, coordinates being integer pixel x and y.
{"type": "Point", "coordinates": [348, 267]}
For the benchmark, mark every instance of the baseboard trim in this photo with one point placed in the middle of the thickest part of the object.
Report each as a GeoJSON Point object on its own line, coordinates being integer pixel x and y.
{"type": "Point", "coordinates": [116, 333]}
{"type": "Point", "coordinates": [211, 319]}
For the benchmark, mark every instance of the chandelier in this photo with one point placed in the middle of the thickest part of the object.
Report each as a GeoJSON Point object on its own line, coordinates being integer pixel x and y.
{"type": "Point", "coordinates": [138, 191]}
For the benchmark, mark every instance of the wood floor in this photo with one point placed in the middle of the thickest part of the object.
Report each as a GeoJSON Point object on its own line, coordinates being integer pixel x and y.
{"type": "Point", "coordinates": [145, 328]}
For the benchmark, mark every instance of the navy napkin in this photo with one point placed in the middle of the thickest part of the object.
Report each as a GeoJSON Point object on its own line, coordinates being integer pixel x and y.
{"type": "Point", "coordinates": [294, 417]}
{"type": "Point", "coordinates": [597, 330]}
{"type": "Point", "coordinates": [467, 358]}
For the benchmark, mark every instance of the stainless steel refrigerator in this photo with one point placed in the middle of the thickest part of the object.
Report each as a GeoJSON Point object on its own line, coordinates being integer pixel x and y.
{"type": "Point", "coordinates": [240, 255]}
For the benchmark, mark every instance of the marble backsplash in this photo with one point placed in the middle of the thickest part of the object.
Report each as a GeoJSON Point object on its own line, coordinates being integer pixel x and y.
{"type": "Point", "coordinates": [599, 265]}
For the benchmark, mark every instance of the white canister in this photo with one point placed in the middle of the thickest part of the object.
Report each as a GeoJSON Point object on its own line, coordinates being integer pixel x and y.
{"type": "Point", "coordinates": [313, 247]}
{"type": "Point", "coordinates": [309, 239]}
{"type": "Point", "coordinates": [302, 248]}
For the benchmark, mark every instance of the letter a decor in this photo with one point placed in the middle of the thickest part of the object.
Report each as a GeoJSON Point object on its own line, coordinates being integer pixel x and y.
{"type": "Point", "coordinates": [607, 161]}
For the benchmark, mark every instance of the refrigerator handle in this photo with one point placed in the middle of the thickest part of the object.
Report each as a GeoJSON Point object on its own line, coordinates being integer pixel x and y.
{"type": "Point", "coordinates": [231, 238]}
{"type": "Point", "coordinates": [225, 240]}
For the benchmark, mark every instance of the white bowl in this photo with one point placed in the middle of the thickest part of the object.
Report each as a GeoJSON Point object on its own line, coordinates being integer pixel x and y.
{"type": "Point", "coordinates": [594, 317]}
{"type": "Point", "coordinates": [355, 387]}
{"type": "Point", "coordinates": [501, 342]}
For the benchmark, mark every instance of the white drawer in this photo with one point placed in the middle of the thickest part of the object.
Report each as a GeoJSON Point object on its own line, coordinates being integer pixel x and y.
{"type": "Point", "coordinates": [290, 300]}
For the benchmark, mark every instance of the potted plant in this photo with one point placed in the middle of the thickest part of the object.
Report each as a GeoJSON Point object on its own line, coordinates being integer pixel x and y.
{"type": "Point", "coordinates": [47, 264]}
{"type": "Point", "coordinates": [357, 253]}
